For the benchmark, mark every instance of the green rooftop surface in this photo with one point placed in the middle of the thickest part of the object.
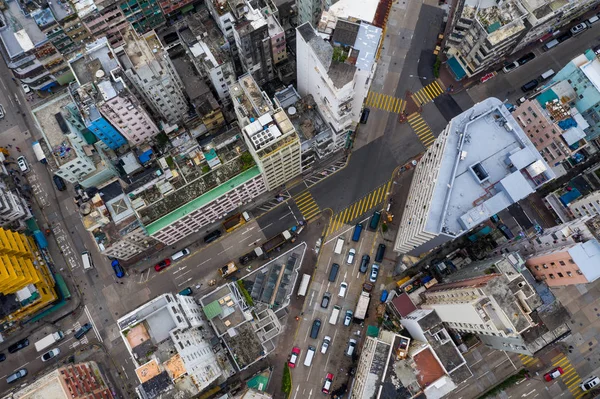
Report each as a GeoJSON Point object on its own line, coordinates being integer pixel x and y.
{"type": "Point", "coordinates": [202, 200]}
{"type": "Point", "coordinates": [212, 310]}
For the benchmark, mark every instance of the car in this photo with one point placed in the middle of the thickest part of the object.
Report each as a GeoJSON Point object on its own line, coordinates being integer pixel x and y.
{"type": "Point", "coordinates": [325, 345]}
{"type": "Point", "coordinates": [119, 272]}
{"type": "Point", "coordinates": [2, 357]}
{"type": "Point", "coordinates": [351, 253]}
{"type": "Point", "coordinates": [365, 116]}
{"type": "Point", "coordinates": [577, 29]}
{"type": "Point", "coordinates": [522, 100]}
{"type": "Point", "coordinates": [50, 354]}
{"type": "Point", "coordinates": [83, 330]}
{"type": "Point", "coordinates": [526, 58]}
{"type": "Point", "coordinates": [22, 162]}
{"type": "Point", "coordinates": [327, 384]}
{"type": "Point", "coordinates": [26, 88]}
{"type": "Point", "coordinates": [590, 383]}
{"type": "Point", "coordinates": [552, 374]}
{"type": "Point", "coordinates": [212, 236]}
{"type": "Point", "coordinates": [17, 346]}
{"type": "Point", "coordinates": [532, 84]}
{"type": "Point", "coordinates": [343, 289]}
{"type": "Point", "coordinates": [59, 183]}
{"type": "Point", "coordinates": [509, 67]}
{"type": "Point", "coordinates": [316, 327]}
{"type": "Point", "coordinates": [163, 264]}
{"type": "Point", "coordinates": [564, 37]}
{"type": "Point", "coordinates": [186, 292]}
{"type": "Point", "coordinates": [364, 263]}
{"type": "Point", "coordinates": [17, 375]}
{"type": "Point", "coordinates": [294, 357]}
{"type": "Point", "coordinates": [374, 273]}
{"type": "Point", "coordinates": [2, 114]}
{"type": "Point", "coordinates": [325, 300]}
{"type": "Point", "coordinates": [367, 287]}
{"type": "Point", "coordinates": [348, 317]}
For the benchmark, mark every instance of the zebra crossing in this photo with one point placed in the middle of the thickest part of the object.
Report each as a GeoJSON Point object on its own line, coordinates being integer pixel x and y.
{"type": "Point", "coordinates": [569, 376]}
{"type": "Point", "coordinates": [307, 205]}
{"type": "Point", "coordinates": [322, 174]}
{"type": "Point", "coordinates": [359, 208]}
{"type": "Point", "coordinates": [427, 93]}
{"type": "Point", "coordinates": [421, 129]}
{"type": "Point", "coordinates": [385, 102]}
{"type": "Point", "coordinates": [528, 361]}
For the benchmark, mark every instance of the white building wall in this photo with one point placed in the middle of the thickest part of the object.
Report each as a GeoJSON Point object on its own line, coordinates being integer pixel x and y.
{"type": "Point", "coordinates": [586, 206]}
{"type": "Point", "coordinates": [211, 212]}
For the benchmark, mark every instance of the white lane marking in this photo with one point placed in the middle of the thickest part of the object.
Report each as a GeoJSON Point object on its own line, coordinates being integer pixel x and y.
{"type": "Point", "coordinates": [225, 250]}
{"type": "Point", "coordinates": [245, 238]}
{"type": "Point", "coordinates": [180, 269]}
{"type": "Point", "coordinates": [184, 282]}
{"type": "Point", "coordinates": [183, 274]}
{"type": "Point", "coordinates": [204, 261]}
{"type": "Point", "coordinates": [248, 230]}
{"type": "Point", "coordinates": [125, 372]}
{"type": "Point", "coordinates": [286, 215]}
{"type": "Point", "coordinates": [87, 312]}
{"type": "Point", "coordinates": [296, 394]}
{"type": "Point", "coordinates": [267, 226]}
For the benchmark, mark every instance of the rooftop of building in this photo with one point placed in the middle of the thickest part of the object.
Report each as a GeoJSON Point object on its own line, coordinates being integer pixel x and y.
{"type": "Point", "coordinates": [85, 7]}
{"type": "Point", "coordinates": [224, 309]}
{"type": "Point", "coordinates": [248, 96]}
{"type": "Point", "coordinates": [144, 53]}
{"type": "Point", "coordinates": [50, 119]}
{"type": "Point", "coordinates": [354, 10]}
{"type": "Point", "coordinates": [403, 304]}
{"type": "Point", "coordinates": [22, 34]}
{"type": "Point", "coordinates": [428, 368]}
{"type": "Point", "coordinates": [273, 26]}
{"type": "Point", "coordinates": [62, 9]}
{"type": "Point", "coordinates": [205, 39]}
{"type": "Point", "coordinates": [43, 18]}
{"type": "Point", "coordinates": [474, 181]}
{"type": "Point", "coordinates": [302, 112]}
{"type": "Point", "coordinates": [193, 178]}
{"type": "Point", "coordinates": [96, 62]}
{"type": "Point", "coordinates": [270, 130]}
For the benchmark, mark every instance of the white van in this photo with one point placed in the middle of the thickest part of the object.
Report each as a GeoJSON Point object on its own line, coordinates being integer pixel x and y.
{"type": "Point", "coordinates": [593, 20]}
{"type": "Point", "coordinates": [339, 245]}
{"type": "Point", "coordinates": [180, 254]}
{"type": "Point", "coordinates": [551, 43]}
{"type": "Point", "coordinates": [86, 258]}
{"type": "Point", "coordinates": [548, 74]}
{"type": "Point", "coordinates": [350, 348]}
{"type": "Point", "coordinates": [246, 216]}
{"type": "Point", "coordinates": [334, 315]}
{"type": "Point", "coordinates": [310, 353]}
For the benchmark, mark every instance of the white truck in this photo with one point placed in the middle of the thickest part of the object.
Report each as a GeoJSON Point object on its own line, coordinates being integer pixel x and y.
{"type": "Point", "coordinates": [339, 245]}
{"type": "Point", "coordinates": [39, 153]}
{"type": "Point", "coordinates": [304, 285]}
{"type": "Point", "coordinates": [362, 305]}
{"type": "Point", "coordinates": [48, 340]}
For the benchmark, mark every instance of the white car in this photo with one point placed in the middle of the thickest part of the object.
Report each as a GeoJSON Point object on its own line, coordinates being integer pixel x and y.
{"type": "Point", "coordinates": [26, 88]}
{"type": "Point", "coordinates": [579, 28]}
{"type": "Point", "coordinates": [50, 354]}
{"type": "Point", "coordinates": [325, 346]}
{"type": "Point", "coordinates": [590, 383]}
{"type": "Point", "coordinates": [22, 162]}
{"type": "Point", "coordinates": [351, 254]}
{"type": "Point", "coordinates": [511, 67]}
{"type": "Point", "coordinates": [343, 289]}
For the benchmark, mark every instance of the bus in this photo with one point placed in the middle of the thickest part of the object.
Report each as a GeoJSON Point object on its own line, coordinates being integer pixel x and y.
{"type": "Point", "coordinates": [304, 285]}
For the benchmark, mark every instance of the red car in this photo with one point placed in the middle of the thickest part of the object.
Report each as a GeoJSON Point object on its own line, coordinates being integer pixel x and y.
{"type": "Point", "coordinates": [328, 383]}
{"type": "Point", "coordinates": [294, 357]}
{"type": "Point", "coordinates": [552, 374]}
{"type": "Point", "coordinates": [163, 264]}
{"type": "Point", "coordinates": [487, 77]}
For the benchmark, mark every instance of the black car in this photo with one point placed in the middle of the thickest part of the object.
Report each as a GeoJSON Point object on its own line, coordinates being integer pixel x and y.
{"type": "Point", "coordinates": [564, 37]}
{"type": "Point", "coordinates": [2, 357]}
{"type": "Point", "coordinates": [316, 326]}
{"type": "Point", "coordinates": [325, 300]}
{"type": "Point", "coordinates": [60, 183]}
{"type": "Point", "coordinates": [17, 346]}
{"type": "Point", "coordinates": [210, 237]}
{"type": "Point", "coordinates": [83, 330]}
{"type": "Point", "coordinates": [526, 58]}
{"type": "Point", "coordinates": [364, 263]}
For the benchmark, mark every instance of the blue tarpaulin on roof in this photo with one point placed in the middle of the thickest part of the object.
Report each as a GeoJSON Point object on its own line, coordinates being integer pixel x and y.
{"type": "Point", "coordinates": [457, 70]}
{"type": "Point", "coordinates": [570, 196]}
{"type": "Point", "coordinates": [145, 156]}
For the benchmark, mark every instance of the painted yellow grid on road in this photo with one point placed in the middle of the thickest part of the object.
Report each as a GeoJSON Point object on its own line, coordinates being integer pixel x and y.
{"type": "Point", "coordinates": [358, 208]}
{"type": "Point", "coordinates": [307, 205]}
{"type": "Point", "coordinates": [527, 360]}
{"type": "Point", "coordinates": [421, 129]}
{"type": "Point", "coordinates": [569, 376]}
{"type": "Point", "coordinates": [385, 102]}
{"type": "Point", "coordinates": [428, 93]}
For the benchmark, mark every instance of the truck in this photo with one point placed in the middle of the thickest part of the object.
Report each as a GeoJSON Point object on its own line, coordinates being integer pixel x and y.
{"type": "Point", "coordinates": [250, 256]}
{"type": "Point", "coordinates": [48, 340]}
{"type": "Point", "coordinates": [277, 241]}
{"type": "Point", "coordinates": [39, 153]}
{"type": "Point", "coordinates": [304, 285]}
{"type": "Point", "coordinates": [362, 305]}
{"type": "Point", "coordinates": [228, 269]}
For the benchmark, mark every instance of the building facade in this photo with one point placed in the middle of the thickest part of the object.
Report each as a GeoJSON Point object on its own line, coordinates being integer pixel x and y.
{"type": "Point", "coordinates": [461, 182]}
{"type": "Point", "coordinates": [251, 33]}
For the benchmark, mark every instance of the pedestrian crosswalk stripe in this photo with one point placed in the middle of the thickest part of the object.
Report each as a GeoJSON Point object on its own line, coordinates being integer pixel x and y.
{"type": "Point", "coordinates": [307, 205]}
{"type": "Point", "coordinates": [421, 129]}
{"type": "Point", "coordinates": [358, 208]}
{"type": "Point", "coordinates": [427, 93]}
{"type": "Point", "coordinates": [527, 360]}
{"type": "Point", "coordinates": [385, 102]}
{"type": "Point", "coordinates": [570, 377]}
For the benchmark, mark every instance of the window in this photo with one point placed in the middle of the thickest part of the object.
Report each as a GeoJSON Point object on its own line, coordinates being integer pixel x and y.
{"type": "Point", "coordinates": [560, 275]}
{"type": "Point", "coordinates": [545, 266]}
{"type": "Point", "coordinates": [569, 274]}
{"type": "Point", "coordinates": [579, 272]}
{"type": "Point", "coordinates": [537, 267]}
{"type": "Point", "coordinates": [562, 263]}
{"type": "Point", "coordinates": [571, 261]}
{"type": "Point", "coordinates": [552, 264]}
{"type": "Point", "coordinates": [551, 276]}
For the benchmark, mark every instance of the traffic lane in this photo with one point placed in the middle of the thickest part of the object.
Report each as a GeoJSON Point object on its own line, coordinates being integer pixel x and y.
{"type": "Point", "coordinates": [508, 85]}
{"type": "Point", "coordinates": [279, 218]}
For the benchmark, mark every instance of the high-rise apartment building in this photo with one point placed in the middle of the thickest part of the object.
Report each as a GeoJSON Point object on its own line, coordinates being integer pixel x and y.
{"type": "Point", "coordinates": [147, 66]}
{"type": "Point", "coordinates": [268, 133]}
{"type": "Point", "coordinates": [309, 11]}
{"type": "Point", "coordinates": [483, 35]}
{"type": "Point", "coordinates": [103, 18]}
{"type": "Point", "coordinates": [105, 103]}
{"type": "Point", "coordinates": [337, 76]}
{"type": "Point", "coordinates": [144, 15]}
{"type": "Point", "coordinates": [251, 33]}
{"type": "Point", "coordinates": [496, 300]}
{"type": "Point", "coordinates": [480, 164]}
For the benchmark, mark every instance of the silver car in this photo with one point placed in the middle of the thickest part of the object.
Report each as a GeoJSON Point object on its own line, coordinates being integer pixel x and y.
{"type": "Point", "coordinates": [351, 254]}
{"type": "Point", "coordinates": [325, 346]}
{"type": "Point", "coordinates": [50, 354]}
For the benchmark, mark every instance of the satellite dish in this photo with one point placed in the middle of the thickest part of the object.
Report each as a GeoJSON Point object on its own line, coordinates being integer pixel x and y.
{"type": "Point", "coordinates": [99, 73]}
{"type": "Point", "coordinates": [292, 111]}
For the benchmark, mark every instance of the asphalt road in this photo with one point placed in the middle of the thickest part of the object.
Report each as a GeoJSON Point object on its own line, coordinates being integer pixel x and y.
{"type": "Point", "coordinates": [508, 86]}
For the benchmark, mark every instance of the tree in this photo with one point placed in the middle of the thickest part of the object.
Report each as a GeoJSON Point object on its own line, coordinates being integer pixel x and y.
{"type": "Point", "coordinates": [286, 381]}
